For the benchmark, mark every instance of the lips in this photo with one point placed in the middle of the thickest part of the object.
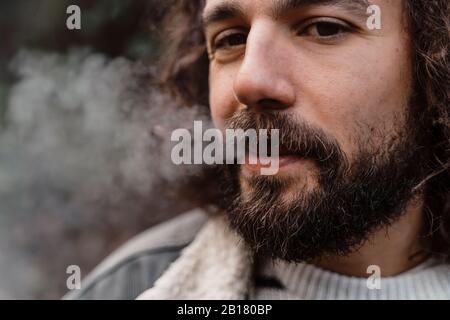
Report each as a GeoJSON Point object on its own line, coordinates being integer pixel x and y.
{"type": "Point", "coordinates": [298, 141]}
{"type": "Point", "coordinates": [286, 156]}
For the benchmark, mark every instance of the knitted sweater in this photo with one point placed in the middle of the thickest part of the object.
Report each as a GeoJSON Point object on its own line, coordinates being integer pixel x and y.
{"type": "Point", "coordinates": [429, 280]}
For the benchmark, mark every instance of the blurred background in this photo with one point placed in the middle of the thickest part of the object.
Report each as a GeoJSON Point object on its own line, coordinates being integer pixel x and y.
{"type": "Point", "coordinates": [84, 138]}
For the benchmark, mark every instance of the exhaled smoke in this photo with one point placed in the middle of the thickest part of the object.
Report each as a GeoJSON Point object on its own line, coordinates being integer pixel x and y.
{"type": "Point", "coordinates": [86, 147]}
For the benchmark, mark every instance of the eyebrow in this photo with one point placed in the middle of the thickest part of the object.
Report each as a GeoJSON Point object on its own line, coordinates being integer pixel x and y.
{"type": "Point", "coordinates": [224, 11]}
{"type": "Point", "coordinates": [231, 9]}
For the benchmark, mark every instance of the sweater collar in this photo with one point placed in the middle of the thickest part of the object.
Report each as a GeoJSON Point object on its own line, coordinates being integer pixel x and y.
{"type": "Point", "coordinates": [429, 280]}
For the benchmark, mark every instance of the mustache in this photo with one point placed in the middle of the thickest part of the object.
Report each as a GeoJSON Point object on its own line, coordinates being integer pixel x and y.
{"type": "Point", "coordinates": [296, 136]}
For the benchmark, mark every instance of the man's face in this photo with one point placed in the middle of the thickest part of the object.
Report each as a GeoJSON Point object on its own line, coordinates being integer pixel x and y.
{"type": "Point", "coordinates": [314, 67]}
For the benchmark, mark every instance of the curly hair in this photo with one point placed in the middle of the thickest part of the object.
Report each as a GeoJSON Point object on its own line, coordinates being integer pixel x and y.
{"type": "Point", "coordinates": [185, 66]}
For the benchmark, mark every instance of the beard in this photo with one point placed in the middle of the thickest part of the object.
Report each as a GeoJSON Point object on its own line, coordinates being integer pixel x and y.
{"type": "Point", "coordinates": [348, 202]}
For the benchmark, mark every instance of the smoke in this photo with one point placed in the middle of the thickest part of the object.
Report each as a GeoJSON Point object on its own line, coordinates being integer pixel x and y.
{"type": "Point", "coordinates": [84, 164]}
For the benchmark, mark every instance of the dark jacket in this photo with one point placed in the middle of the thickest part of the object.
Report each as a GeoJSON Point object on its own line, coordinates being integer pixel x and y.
{"type": "Point", "coordinates": [135, 266]}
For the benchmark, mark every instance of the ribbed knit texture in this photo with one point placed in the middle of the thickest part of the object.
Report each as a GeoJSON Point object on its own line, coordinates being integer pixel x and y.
{"type": "Point", "coordinates": [429, 280]}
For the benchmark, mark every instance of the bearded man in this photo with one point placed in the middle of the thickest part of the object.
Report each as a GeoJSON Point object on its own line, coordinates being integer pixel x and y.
{"type": "Point", "coordinates": [359, 207]}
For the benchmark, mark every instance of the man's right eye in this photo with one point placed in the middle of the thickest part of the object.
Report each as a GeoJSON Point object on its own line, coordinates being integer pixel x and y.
{"type": "Point", "coordinates": [229, 40]}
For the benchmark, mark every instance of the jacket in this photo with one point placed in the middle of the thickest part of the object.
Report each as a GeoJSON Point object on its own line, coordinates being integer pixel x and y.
{"type": "Point", "coordinates": [135, 266]}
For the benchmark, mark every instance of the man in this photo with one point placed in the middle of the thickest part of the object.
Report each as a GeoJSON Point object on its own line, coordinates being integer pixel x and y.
{"type": "Point", "coordinates": [358, 208]}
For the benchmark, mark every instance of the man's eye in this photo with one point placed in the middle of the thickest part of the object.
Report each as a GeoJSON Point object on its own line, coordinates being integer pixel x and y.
{"type": "Point", "coordinates": [230, 40]}
{"type": "Point", "coordinates": [325, 29]}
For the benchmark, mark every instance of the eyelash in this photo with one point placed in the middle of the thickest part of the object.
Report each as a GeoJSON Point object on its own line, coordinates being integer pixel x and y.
{"type": "Point", "coordinates": [344, 28]}
{"type": "Point", "coordinates": [220, 42]}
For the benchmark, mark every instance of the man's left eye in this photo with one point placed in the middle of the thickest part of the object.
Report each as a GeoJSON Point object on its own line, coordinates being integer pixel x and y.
{"type": "Point", "coordinates": [325, 29]}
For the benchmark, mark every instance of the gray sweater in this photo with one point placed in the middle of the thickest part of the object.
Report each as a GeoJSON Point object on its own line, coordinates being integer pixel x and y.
{"type": "Point", "coordinates": [429, 280]}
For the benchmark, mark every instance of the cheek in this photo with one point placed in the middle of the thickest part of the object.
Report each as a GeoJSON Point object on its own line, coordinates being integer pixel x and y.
{"type": "Point", "coordinates": [221, 96]}
{"type": "Point", "coordinates": [351, 96]}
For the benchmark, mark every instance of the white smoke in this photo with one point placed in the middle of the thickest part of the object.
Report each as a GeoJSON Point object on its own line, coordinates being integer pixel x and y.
{"type": "Point", "coordinates": [81, 130]}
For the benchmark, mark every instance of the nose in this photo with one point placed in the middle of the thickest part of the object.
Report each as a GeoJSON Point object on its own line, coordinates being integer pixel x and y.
{"type": "Point", "coordinates": [262, 81]}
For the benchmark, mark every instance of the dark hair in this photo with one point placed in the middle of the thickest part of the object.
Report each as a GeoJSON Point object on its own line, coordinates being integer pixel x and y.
{"type": "Point", "coordinates": [185, 61]}
{"type": "Point", "coordinates": [185, 73]}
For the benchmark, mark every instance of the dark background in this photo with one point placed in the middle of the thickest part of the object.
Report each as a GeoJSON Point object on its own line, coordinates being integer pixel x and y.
{"type": "Point", "coordinates": [129, 28]}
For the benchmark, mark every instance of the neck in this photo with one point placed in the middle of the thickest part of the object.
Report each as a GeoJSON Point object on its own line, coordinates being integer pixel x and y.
{"type": "Point", "coordinates": [395, 249]}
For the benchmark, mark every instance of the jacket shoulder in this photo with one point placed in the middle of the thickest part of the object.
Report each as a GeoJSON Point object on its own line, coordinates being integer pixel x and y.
{"type": "Point", "coordinates": [137, 264]}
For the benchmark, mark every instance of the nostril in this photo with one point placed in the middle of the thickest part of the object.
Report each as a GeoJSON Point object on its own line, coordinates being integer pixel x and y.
{"type": "Point", "coordinates": [271, 104]}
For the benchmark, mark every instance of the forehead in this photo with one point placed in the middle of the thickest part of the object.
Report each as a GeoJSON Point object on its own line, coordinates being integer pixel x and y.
{"type": "Point", "coordinates": [276, 7]}
{"type": "Point", "coordinates": [216, 11]}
